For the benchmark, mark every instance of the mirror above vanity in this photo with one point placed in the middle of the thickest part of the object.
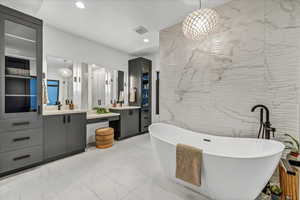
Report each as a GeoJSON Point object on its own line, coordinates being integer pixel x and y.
{"type": "Point", "coordinates": [59, 80]}
{"type": "Point", "coordinates": [87, 86]}
{"type": "Point", "coordinates": [105, 86]}
{"type": "Point", "coordinates": [97, 86]}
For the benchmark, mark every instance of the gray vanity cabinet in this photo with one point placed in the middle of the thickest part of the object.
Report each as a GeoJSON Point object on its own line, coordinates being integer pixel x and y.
{"type": "Point", "coordinates": [76, 132]}
{"type": "Point", "coordinates": [55, 131]}
{"type": "Point", "coordinates": [64, 134]}
{"type": "Point", "coordinates": [129, 122]}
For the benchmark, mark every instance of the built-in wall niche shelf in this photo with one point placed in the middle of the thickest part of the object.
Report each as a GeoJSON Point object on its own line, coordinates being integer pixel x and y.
{"type": "Point", "coordinates": [19, 38]}
{"type": "Point", "coordinates": [20, 47]}
{"type": "Point", "coordinates": [19, 76]}
{"type": "Point", "coordinates": [20, 95]}
{"type": "Point", "coordinates": [20, 56]}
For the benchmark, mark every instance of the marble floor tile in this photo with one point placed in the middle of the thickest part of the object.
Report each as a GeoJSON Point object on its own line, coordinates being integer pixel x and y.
{"type": "Point", "coordinates": [127, 171]}
{"type": "Point", "coordinates": [104, 187]}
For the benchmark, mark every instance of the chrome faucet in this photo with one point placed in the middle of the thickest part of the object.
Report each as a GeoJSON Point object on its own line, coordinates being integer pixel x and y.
{"type": "Point", "coordinates": [265, 128]}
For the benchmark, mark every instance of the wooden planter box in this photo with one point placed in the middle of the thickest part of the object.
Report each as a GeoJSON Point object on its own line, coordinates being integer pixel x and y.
{"type": "Point", "coordinates": [289, 184]}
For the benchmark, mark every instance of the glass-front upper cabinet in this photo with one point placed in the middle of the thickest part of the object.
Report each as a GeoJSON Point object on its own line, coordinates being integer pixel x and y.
{"type": "Point", "coordinates": [21, 66]}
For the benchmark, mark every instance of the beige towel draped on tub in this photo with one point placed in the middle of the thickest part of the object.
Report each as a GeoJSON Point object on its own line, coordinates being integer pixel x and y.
{"type": "Point", "coordinates": [188, 164]}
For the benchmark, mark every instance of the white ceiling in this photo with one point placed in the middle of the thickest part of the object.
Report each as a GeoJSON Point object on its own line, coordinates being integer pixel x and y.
{"type": "Point", "coordinates": [111, 22]}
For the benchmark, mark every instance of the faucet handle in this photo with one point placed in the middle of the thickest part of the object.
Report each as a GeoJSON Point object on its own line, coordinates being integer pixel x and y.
{"type": "Point", "coordinates": [273, 131]}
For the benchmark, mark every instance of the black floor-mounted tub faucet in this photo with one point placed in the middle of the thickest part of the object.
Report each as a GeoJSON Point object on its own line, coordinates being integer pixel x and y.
{"type": "Point", "coordinates": [265, 128]}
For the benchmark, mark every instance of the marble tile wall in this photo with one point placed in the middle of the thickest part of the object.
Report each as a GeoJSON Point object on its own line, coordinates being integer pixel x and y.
{"type": "Point", "coordinates": [252, 58]}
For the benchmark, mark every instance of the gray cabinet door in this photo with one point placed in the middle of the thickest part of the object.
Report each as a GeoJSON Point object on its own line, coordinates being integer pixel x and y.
{"type": "Point", "coordinates": [132, 122]}
{"type": "Point", "coordinates": [76, 132]}
{"type": "Point", "coordinates": [55, 131]}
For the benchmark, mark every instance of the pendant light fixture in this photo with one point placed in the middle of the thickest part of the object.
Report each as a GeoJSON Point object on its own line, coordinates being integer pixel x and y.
{"type": "Point", "coordinates": [200, 22]}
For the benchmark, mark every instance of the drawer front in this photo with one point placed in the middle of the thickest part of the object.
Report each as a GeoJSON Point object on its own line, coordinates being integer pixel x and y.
{"type": "Point", "coordinates": [20, 139]}
{"type": "Point", "coordinates": [19, 124]}
{"type": "Point", "coordinates": [20, 158]}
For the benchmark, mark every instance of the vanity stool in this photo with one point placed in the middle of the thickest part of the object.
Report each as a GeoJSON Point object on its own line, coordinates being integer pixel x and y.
{"type": "Point", "coordinates": [104, 138]}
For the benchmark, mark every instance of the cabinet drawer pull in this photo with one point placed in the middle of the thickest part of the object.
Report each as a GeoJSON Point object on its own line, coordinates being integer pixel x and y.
{"type": "Point", "coordinates": [21, 157]}
{"type": "Point", "coordinates": [21, 139]}
{"type": "Point", "coordinates": [64, 119]}
{"type": "Point", "coordinates": [69, 118]}
{"type": "Point", "coordinates": [20, 123]}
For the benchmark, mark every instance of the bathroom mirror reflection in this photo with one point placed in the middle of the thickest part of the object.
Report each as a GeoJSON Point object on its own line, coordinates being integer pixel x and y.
{"type": "Point", "coordinates": [105, 86]}
{"type": "Point", "coordinates": [97, 86]}
{"type": "Point", "coordinates": [116, 86]}
{"type": "Point", "coordinates": [59, 80]}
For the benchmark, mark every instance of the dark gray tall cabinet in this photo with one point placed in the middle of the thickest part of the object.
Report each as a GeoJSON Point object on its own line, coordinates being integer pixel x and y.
{"type": "Point", "coordinates": [140, 81]}
{"type": "Point", "coordinates": [21, 126]}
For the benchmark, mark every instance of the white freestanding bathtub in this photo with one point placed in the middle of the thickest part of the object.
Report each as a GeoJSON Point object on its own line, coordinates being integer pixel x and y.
{"type": "Point", "coordinates": [232, 168]}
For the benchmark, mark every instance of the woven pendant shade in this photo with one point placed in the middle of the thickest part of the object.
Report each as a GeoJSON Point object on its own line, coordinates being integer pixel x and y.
{"type": "Point", "coordinates": [200, 22]}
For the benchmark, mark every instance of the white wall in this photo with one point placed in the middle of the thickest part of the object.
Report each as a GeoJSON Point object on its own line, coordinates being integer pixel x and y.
{"type": "Point", "coordinates": [62, 44]}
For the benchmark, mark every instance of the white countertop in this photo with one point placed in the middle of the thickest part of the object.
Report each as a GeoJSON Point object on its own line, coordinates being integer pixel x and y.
{"type": "Point", "coordinates": [91, 114]}
{"type": "Point", "coordinates": [124, 108]}
{"type": "Point", "coordinates": [62, 112]}
{"type": "Point", "coordinates": [99, 116]}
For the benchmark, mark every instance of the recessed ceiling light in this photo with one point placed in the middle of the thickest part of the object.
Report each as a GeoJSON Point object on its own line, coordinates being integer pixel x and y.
{"type": "Point", "coordinates": [146, 40]}
{"type": "Point", "coordinates": [80, 4]}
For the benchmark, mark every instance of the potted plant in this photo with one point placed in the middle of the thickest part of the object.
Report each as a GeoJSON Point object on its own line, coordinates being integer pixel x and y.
{"type": "Point", "coordinates": [100, 110]}
{"type": "Point", "coordinates": [292, 144]}
{"type": "Point", "coordinates": [275, 192]}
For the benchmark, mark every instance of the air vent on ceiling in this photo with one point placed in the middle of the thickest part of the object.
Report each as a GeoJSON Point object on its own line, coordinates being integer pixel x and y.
{"type": "Point", "coordinates": [141, 30]}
